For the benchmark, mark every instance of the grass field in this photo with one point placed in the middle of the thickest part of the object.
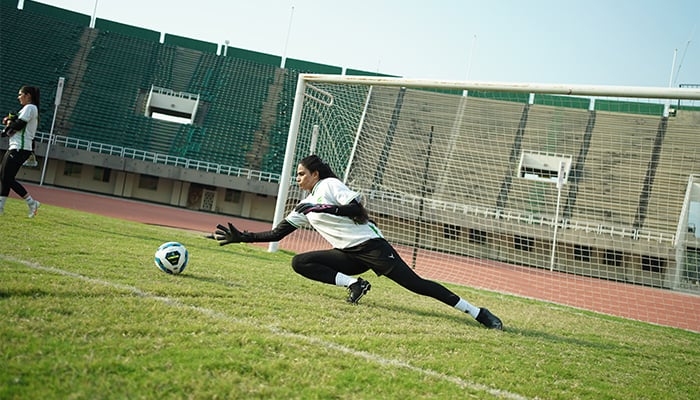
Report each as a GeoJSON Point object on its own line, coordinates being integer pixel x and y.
{"type": "Point", "coordinates": [87, 315]}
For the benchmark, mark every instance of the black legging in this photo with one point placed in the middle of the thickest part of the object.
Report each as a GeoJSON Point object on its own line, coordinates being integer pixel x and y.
{"type": "Point", "coordinates": [11, 163]}
{"type": "Point", "coordinates": [323, 266]}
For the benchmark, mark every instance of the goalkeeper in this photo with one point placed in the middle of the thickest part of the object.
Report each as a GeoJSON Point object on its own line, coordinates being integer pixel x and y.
{"type": "Point", "coordinates": [335, 212]}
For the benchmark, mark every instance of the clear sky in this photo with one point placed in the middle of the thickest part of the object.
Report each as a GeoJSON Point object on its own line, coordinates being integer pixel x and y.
{"type": "Point", "coordinates": [606, 42]}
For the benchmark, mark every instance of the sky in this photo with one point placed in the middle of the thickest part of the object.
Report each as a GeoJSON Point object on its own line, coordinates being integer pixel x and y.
{"type": "Point", "coordinates": [594, 42]}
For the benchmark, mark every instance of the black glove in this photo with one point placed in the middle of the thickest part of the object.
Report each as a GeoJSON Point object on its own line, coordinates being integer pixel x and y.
{"type": "Point", "coordinates": [9, 119]}
{"type": "Point", "coordinates": [305, 208]}
{"type": "Point", "coordinates": [13, 126]}
{"type": "Point", "coordinates": [229, 235]}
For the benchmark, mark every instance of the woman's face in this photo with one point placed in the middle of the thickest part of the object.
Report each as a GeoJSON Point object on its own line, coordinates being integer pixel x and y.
{"type": "Point", "coordinates": [24, 98]}
{"type": "Point", "coordinates": [305, 178]}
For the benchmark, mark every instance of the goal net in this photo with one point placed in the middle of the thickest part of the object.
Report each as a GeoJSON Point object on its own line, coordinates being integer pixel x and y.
{"type": "Point", "coordinates": [578, 195]}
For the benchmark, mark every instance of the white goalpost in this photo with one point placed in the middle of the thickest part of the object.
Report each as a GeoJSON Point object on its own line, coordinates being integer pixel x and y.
{"type": "Point", "coordinates": [573, 194]}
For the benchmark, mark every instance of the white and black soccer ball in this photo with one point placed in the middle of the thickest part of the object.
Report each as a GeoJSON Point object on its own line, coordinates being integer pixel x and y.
{"type": "Point", "coordinates": [172, 257]}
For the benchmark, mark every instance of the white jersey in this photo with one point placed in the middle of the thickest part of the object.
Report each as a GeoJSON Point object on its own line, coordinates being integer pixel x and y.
{"type": "Point", "coordinates": [341, 232]}
{"type": "Point", "coordinates": [22, 139]}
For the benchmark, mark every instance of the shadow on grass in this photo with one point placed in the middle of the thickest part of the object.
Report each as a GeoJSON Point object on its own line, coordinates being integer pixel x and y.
{"type": "Point", "coordinates": [539, 335]}
{"type": "Point", "coordinates": [29, 292]}
{"type": "Point", "coordinates": [456, 316]}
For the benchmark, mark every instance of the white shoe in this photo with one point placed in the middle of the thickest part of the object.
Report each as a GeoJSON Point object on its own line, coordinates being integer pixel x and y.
{"type": "Point", "coordinates": [31, 162]}
{"type": "Point", "coordinates": [33, 209]}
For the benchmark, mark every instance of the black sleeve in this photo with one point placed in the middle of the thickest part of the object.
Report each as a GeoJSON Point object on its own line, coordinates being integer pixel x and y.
{"type": "Point", "coordinates": [17, 124]}
{"type": "Point", "coordinates": [354, 209]}
{"type": "Point", "coordinates": [282, 229]}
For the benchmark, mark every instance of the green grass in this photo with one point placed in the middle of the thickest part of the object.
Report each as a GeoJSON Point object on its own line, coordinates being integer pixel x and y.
{"type": "Point", "coordinates": [86, 315]}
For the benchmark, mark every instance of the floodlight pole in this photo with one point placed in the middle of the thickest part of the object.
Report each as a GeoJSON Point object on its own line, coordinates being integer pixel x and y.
{"type": "Point", "coordinates": [667, 103]}
{"type": "Point", "coordinates": [93, 20]}
{"type": "Point", "coordinates": [57, 102]}
{"type": "Point", "coordinates": [286, 39]}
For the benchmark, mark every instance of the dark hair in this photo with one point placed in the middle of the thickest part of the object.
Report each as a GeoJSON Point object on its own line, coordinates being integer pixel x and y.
{"type": "Point", "coordinates": [314, 163]}
{"type": "Point", "coordinates": [33, 91]}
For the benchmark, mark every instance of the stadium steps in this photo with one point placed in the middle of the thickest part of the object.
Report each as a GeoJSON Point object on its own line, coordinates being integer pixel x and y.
{"type": "Point", "coordinates": [186, 61]}
{"type": "Point", "coordinates": [676, 159]}
{"type": "Point", "coordinates": [515, 150]}
{"type": "Point", "coordinates": [112, 82]}
{"type": "Point", "coordinates": [273, 158]}
{"type": "Point", "coordinates": [611, 184]}
{"type": "Point", "coordinates": [650, 174]}
{"type": "Point", "coordinates": [268, 118]}
{"type": "Point", "coordinates": [74, 80]}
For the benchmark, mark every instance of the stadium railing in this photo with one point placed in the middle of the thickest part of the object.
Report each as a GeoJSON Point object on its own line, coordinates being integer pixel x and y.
{"type": "Point", "coordinates": [157, 158]}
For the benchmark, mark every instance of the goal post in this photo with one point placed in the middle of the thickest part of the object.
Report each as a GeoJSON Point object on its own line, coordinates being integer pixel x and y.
{"type": "Point", "coordinates": [567, 193]}
{"type": "Point", "coordinates": [687, 240]}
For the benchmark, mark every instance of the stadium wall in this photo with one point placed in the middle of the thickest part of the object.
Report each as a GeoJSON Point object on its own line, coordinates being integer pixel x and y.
{"type": "Point", "coordinates": [144, 180]}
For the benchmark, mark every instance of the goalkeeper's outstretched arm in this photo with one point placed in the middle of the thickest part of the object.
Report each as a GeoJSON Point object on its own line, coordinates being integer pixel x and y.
{"type": "Point", "coordinates": [226, 235]}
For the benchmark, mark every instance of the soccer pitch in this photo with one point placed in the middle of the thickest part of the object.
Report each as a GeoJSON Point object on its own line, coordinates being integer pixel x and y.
{"type": "Point", "coordinates": [86, 314]}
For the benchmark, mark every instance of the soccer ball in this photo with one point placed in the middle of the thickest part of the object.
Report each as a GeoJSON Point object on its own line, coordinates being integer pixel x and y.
{"type": "Point", "coordinates": [171, 257]}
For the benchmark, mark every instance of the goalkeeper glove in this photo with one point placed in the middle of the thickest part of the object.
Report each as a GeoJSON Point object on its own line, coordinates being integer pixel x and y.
{"type": "Point", "coordinates": [305, 208]}
{"type": "Point", "coordinates": [229, 235]}
{"type": "Point", "coordinates": [9, 118]}
{"type": "Point", "coordinates": [13, 126]}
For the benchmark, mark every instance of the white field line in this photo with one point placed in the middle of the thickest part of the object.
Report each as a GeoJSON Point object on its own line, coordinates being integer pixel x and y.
{"type": "Point", "coordinates": [217, 315]}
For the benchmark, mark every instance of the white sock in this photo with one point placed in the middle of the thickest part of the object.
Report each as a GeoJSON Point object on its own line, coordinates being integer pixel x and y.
{"type": "Point", "coordinates": [344, 280]}
{"type": "Point", "coordinates": [29, 200]}
{"type": "Point", "coordinates": [464, 306]}
{"type": "Point", "coordinates": [2, 201]}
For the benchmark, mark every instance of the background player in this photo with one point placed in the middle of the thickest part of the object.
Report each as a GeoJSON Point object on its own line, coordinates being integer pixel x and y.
{"type": "Point", "coordinates": [20, 128]}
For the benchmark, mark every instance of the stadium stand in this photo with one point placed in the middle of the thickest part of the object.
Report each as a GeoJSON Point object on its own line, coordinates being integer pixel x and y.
{"type": "Point", "coordinates": [109, 70]}
{"type": "Point", "coordinates": [675, 159]}
{"type": "Point", "coordinates": [245, 104]}
{"type": "Point", "coordinates": [619, 193]}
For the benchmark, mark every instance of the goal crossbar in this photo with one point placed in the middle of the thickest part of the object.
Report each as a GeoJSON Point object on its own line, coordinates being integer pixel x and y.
{"type": "Point", "coordinates": [684, 93]}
